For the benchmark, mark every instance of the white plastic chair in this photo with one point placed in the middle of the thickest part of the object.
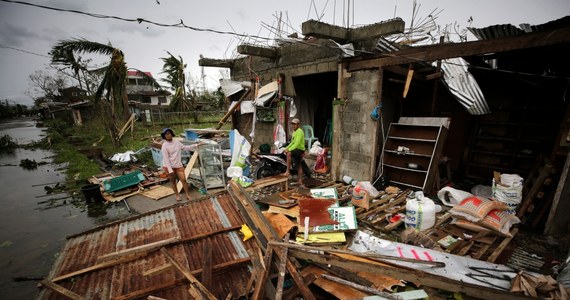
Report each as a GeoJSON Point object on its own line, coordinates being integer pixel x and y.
{"type": "Point", "coordinates": [309, 135]}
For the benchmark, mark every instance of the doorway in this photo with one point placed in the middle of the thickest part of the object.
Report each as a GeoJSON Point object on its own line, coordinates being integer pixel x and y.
{"type": "Point", "coordinates": [315, 95]}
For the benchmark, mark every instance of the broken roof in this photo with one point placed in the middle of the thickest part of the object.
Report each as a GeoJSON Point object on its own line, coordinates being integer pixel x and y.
{"type": "Point", "coordinates": [110, 261]}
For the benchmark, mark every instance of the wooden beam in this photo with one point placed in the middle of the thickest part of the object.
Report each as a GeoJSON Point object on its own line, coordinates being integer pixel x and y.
{"type": "Point", "coordinates": [231, 111]}
{"type": "Point", "coordinates": [262, 276]}
{"type": "Point", "coordinates": [61, 290]}
{"type": "Point", "coordinates": [193, 281]}
{"type": "Point", "coordinates": [207, 264]}
{"type": "Point", "coordinates": [282, 267]}
{"type": "Point", "coordinates": [411, 275]}
{"type": "Point", "coordinates": [218, 269]}
{"type": "Point", "coordinates": [435, 52]}
{"type": "Point", "coordinates": [138, 249]}
{"type": "Point", "coordinates": [299, 281]}
{"type": "Point", "coordinates": [409, 77]}
{"type": "Point", "coordinates": [259, 221]}
{"type": "Point", "coordinates": [188, 169]}
{"type": "Point", "coordinates": [361, 287]}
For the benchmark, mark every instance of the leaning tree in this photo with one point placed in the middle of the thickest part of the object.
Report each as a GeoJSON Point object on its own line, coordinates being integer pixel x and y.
{"type": "Point", "coordinates": [174, 69]}
{"type": "Point", "coordinates": [111, 94]}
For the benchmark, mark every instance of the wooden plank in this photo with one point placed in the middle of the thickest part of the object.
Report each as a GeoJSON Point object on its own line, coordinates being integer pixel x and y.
{"type": "Point", "coordinates": [262, 277]}
{"type": "Point", "coordinates": [257, 269]}
{"type": "Point", "coordinates": [193, 281]}
{"type": "Point", "coordinates": [361, 287]}
{"type": "Point", "coordinates": [218, 269]}
{"type": "Point", "coordinates": [502, 246]}
{"type": "Point", "coordinates": [157, 192]}
{"type": "Point", "coordinates": [232, 109]}
{"type": "Point", "coordinates": [276, 200]}
{"type": "Point", "coordinates": [529, 198]}
{"type": "Point", "coordinates": [484, 248]}
{"type": "Point", "coordinates": [207, 264]}
{"type": "Point", "coordinates": [339, 291]}
{"type": "Point", "coordinates": [188, 169]}
{"type": "Point", "coordinates": [158, 270]}
{"type": "Point", "coordinates": [281, 270]}
{"type": "Point", "coordinates": [61, 290]}
{"type": "Point", "coordinates": [465, 248]}
{"type": "Point", "coordinates": [293, 271]}
{"type": "Point", "coordinates": [268, 181]}
{"type": "Point", "coordinates": [294, 290]}
{"type": "Point", "coordinates": [560, 193]}
{"type": "Point", "coordinates": [138, 249]}
{"type": "Point", "coordinates": [253, 213]}
{"type": "Point", "coordinates": [451, 50]}
{"type": "Point", "coordinates": [292, 212]}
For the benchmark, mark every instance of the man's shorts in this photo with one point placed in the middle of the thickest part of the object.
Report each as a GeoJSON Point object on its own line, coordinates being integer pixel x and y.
{"type": "Point", "coordinates": [297, 156]}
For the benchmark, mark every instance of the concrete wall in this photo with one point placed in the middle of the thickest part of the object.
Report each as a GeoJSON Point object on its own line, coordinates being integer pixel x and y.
{"type": "Point", "coordinates": [294, 60]}
{"type": "Point", "coordinates": [355, 133]}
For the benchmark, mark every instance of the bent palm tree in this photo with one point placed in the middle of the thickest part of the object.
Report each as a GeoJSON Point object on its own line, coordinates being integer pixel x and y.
{"type": "Point", "coordinates": [113, 85]}
{"type": "Point", "coordinates": [174, 69]}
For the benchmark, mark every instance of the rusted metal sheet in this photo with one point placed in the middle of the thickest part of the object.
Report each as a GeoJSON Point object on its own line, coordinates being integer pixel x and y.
{"type": "Point", "coordinates": [183, 227]}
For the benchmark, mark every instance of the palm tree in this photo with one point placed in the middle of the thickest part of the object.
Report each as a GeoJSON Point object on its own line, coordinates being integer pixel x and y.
{"type": "Point", "coordinates": [113, 86]}
{"type": "Point", "coordinates": [174, 69]}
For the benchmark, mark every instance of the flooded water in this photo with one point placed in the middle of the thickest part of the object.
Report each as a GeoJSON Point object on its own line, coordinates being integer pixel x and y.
{"type": "Point", "coordinates": [34, 225]}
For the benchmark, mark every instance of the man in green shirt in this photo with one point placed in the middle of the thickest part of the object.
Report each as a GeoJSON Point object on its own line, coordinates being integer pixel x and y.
{"type": "Point", "coordinates": [296, 149]}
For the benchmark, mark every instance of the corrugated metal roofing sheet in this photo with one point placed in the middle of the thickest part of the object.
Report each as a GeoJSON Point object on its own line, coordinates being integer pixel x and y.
{"type": "Point", "coordinates": [463, 86]}
{"type": "Point", "coordinates": [215, 218]}
{"type": "Point", "coordinates": [509, 30]}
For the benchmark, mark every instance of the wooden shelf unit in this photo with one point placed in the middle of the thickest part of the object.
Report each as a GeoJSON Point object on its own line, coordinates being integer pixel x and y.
{"type": "Point", "coordinates": [424, 143]}
{"type": "Point", "coordinates": [510, 139]}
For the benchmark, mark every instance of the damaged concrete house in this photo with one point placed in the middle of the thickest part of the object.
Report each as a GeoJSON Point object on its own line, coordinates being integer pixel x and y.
{"type": "Point", "coordinates": [499, 103]}
{"type": "Point", "coordinates": [415, 117]}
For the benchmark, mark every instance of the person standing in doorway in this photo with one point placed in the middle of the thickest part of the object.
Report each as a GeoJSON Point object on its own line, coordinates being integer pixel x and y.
{"type": "Point", "coordinates": [172, 161]}
{"type": "Point", "coordinates": [296, 149]}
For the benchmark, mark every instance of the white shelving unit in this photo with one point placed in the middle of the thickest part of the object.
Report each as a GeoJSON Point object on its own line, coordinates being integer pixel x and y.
{"type": "Point", "coordinates": [211, 166]}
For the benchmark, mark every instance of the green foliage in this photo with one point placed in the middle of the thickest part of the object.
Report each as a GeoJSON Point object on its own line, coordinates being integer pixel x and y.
{"type": "Point", "coordinates": [78, 165]}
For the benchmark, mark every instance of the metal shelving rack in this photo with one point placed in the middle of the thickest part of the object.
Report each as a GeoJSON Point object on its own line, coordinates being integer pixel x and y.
{"type": "Point", "coordinates": [211, 166]}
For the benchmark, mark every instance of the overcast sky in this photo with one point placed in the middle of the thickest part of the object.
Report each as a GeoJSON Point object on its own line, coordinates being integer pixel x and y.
{"type": "Point", "coordinates": [27, 33]}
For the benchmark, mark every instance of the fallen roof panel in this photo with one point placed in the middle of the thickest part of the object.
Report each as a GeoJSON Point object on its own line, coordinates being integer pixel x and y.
{"type": "Point", "coordinates": [110, 262]}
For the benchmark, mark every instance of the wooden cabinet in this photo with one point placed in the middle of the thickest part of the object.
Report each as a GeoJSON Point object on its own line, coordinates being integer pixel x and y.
{"type": "Point", "coordinates": [411, 155]}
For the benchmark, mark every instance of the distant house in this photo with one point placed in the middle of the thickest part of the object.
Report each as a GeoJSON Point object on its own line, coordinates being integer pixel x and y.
{"type": "Point", "coordinates": [72, 99]}
{"type": "Point", "coordinates": [141, 88]}
{"type": "Point", "coordinates": [72, 95]}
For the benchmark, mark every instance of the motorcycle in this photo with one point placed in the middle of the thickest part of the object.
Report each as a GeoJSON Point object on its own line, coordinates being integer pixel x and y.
{"type": "Point", "coordinates": [273, 164]}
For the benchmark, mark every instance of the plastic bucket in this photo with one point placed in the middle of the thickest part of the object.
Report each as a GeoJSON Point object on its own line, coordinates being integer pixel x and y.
{"type": "Point", "coordinates": [92, 193]}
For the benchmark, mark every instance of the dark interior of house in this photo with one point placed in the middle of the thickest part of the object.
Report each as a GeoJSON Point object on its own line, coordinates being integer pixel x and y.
{"type": "Point", "coordinates": [315, 94]}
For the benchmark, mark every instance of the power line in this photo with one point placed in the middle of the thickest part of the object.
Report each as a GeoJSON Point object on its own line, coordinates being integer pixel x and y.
{"type": "Point", "coordinates": [21, 50]}
{"type": "Point", "coordinates": [137, 20]}
{"type": "Point", "coordinates": [182, 25]}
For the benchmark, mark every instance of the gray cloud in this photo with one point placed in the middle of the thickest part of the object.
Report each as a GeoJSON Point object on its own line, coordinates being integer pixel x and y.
{"type": "Point", "coordinates": [14, 35]}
